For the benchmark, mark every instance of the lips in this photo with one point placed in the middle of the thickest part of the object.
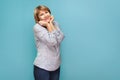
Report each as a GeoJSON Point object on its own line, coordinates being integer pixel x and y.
{"type": "Point", "coordinates": [47, 18]}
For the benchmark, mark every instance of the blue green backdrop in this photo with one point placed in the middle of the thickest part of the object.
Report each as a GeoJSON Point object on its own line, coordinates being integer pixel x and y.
{"type": "Point", "coordinates": [90, 50]}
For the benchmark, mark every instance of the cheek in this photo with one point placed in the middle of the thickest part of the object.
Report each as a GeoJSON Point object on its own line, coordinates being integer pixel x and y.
{"type": "Point", "coordinates": [41, 17]}
{"type": "Point", "coordinates": [48, 14]}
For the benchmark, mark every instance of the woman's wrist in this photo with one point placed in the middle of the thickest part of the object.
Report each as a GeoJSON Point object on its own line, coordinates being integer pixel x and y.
{"type": "Point", "coordinates": [50, 27]}
{"type": "Point", "coordinates": [53, 27]}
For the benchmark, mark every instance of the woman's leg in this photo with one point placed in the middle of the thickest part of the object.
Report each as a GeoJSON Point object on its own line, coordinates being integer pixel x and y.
{"type": "Point", "coordinates": [40, 74]}
{"type": "Point", "coordinates": [54, 75]}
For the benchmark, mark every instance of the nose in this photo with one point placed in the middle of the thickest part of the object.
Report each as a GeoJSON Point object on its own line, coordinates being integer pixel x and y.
{"type": "Point", "coordinates": [46, 15]}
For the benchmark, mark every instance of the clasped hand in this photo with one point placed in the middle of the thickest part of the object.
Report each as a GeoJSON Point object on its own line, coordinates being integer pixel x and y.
{"type": "Point", "coordinates": [46, 24]}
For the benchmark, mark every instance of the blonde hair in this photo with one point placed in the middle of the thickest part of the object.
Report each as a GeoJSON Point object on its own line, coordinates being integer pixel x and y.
{"type": "Point", "coordinates": [37, 11]}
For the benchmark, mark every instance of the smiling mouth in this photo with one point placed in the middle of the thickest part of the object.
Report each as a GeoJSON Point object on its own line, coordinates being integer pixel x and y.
{"type": "Point", "coordinates": [47, 19]}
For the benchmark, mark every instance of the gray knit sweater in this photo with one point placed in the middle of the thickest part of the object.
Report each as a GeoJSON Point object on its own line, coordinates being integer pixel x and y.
{"type": "Point", "coordinates": [48, 44]}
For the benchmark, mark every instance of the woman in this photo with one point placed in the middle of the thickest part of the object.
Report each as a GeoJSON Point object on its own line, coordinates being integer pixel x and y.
{"type": "Point", "coordinates": [48, 37]}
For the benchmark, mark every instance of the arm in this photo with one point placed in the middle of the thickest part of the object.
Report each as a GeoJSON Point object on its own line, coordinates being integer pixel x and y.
{"type": "Point", "coordinates": [59, 34]}
{"type": "Point", "coordinates": [53, 28]}
{"type": "Point", "coordinates": [42, 34]}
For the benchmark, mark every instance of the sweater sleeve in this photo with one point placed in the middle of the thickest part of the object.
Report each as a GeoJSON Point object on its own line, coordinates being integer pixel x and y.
{"type": "Point", "coordinates": [59, 34]}
{"type": "Point", "coordinates": [47, 37]}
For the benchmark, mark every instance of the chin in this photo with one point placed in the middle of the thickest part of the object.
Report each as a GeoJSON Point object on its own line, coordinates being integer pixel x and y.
{"type": "Point", "coordinates": [48, 21]}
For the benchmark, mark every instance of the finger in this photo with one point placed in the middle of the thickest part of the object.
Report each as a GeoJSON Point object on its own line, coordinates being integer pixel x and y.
{"type": "Point", "coordinates": [52, 18]}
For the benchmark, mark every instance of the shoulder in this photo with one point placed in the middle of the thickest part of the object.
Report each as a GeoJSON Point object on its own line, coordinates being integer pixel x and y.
{"type": "Point", "coordinates": [37, 27]}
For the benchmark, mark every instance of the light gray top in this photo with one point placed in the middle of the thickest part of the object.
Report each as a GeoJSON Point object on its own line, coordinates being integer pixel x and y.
{"type": "Point", "coordinates": [48, 44]}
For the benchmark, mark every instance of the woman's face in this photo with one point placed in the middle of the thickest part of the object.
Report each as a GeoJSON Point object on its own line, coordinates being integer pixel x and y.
{"type": "Point", "coordinates": [44, 15]}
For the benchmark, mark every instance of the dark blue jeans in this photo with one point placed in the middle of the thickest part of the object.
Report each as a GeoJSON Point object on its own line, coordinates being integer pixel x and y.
{"type": "Point", "coordinates": [41, 74]}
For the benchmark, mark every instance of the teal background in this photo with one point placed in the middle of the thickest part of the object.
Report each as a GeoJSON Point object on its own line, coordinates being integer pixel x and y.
{"type": "Point", "coordinates": [90, 50]}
